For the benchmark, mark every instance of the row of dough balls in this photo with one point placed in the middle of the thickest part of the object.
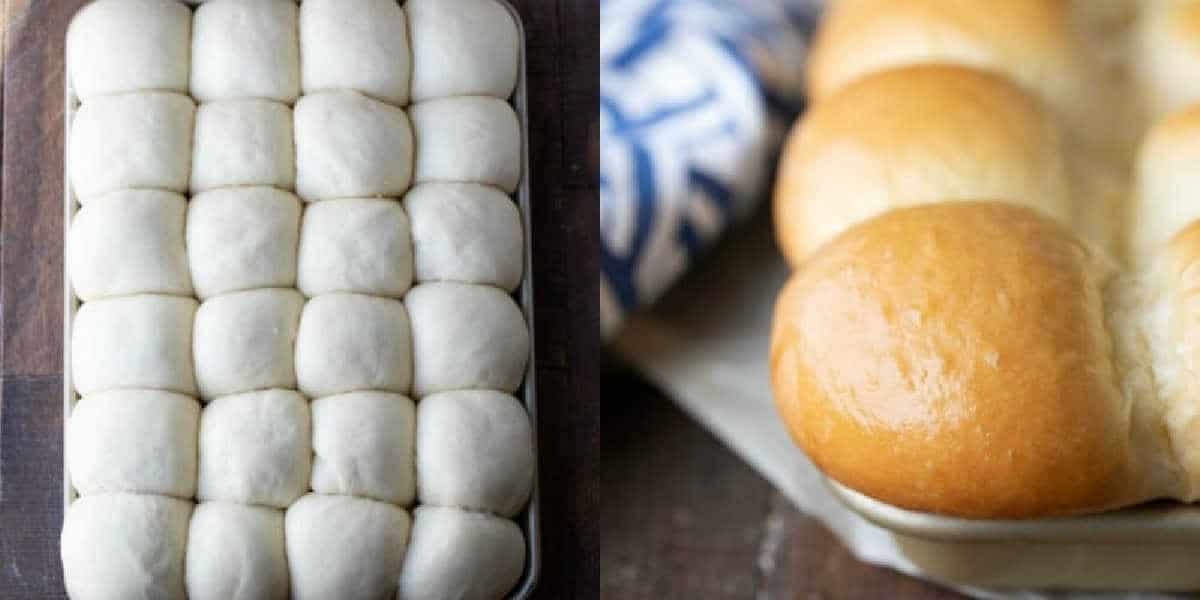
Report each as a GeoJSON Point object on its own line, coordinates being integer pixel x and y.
{"type": "Point", "coordinates": [320, 548]}
{"type": "Point", "coordinates": [335, 144]}
{"type": "Point", "coordinates": [275, 50]}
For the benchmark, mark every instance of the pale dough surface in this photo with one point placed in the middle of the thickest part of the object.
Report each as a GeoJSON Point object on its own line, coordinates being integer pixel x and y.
{"type": "Point", "coordinates": [138, 140]}
{"type": "Point", "coordinates": [462, 48]}
{"type": "Point", "coordinates": [242, 143]}
{"type": "Point", "coordinates": [242, 238]}
{"type": "Point", "coordinates": [359, 45]}
{"type": "Point", "coordinates": [235, 552]}
{"type": "Point", "coordinates": [255, 448]}
{"type": "Point", "coordinates": [465, 232]}
{"type": "Point", "coordinates": [142, 341]}
{"type": "Point", "coordinates": [467, 139]}
{"type": "Point", "coordinates": [128, 45]}
{"type": "Point", "coordinates": [363, 446]}
{"type": "Point", "coordinates": [246, 50]}
{"type": "Point", "coordinates": [243, 341]}
{"type": "Point", "coordinates": [133, 441]}
{"type": "Point", "coordinates": [462, 555]}
{"type": "Point", "coordinates": [345, 547]}
{"type": "Point", "coordinates": [125, 547]}
{"type": "Point", "coordinates": [348, 145]}
{"type": "Point", "coordinates": [129, 242]}
{"type": "Point", "coordinates": [351, 342]}
{"type": "Point", "coordinates": [355, 245]}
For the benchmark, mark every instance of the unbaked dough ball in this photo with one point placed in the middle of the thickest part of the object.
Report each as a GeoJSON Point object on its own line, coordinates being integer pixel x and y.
{"type": "Point", "coordinates": [128, 45]}
{"type": "Point", "coordinates": [348, 145]}
{"type": "Point", "coordinates": [474, 450]}
{"type": "Point", "coordinates": [355, 44]}
{"type": "Point", "coordinates": [242, 238]}
{"type": "Point", "coordinates": [142, 341]}
{"type": "Point", "coordinates": [345, 547]}
{"type": "Point", "coordinates": [246, 50]}
{"type": "Point", "coordinates": [465, 232]}
{"type": "Point", "coordinates": [462, 48]}
{"type": "Point", "coordinates": [235, 552]}
{"type": "Point", "coordinates": [255, 448]}
{"type": "Point", "coordinates": [133, 441]}
{"type": "Point", "coordinates": [350, 342]}
{"type": "Point", "coordinates": [243, 142]}
{"type": "Point", "coordinates": [141, 140]}
{"type": "Point", "coordinates": [363, 446]}
{"type": "Point", "coordinates": [243, 341]}
{"type": "Point", "coordinates": [355, 245]}
{"type": "Point", "coordinates": [463, 555]}
{"type": "Point", "coordinates": [129, 242]}
{"type": "Point", "coordinates": [120, 546]}
{"type": "Point", "coordinates": [465, 337]}
{"type": "Point", "coordinates": [467, 139]}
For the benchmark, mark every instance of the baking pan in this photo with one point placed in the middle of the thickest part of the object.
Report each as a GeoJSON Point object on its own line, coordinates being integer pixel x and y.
{"type": "Point", "coordinates": [1147, 547]}
{"type": "Point", "coordinates": [530, 519]}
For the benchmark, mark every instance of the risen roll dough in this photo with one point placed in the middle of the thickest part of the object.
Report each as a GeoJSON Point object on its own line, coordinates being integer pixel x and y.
{"type": "Point", "coordinates": [465, 232]}
{"type": "Point", "coordinates": [235, 552]}
{"type": "Point", "coordinates": [243, 341]}
{"type": "Point", "coordinates": [355, 245]}
{"type": "Point", "coordinates": [255, 448]}
{"type": "Point", "coordinates": [141, 140]}
{"type": "Point", "coordinates": [474, 450]}
{"type": "Point", "coordinates": [350, 342]}
{"type": "Point", "coordinates": [462, 48]}
{"type": "Point", "coordinates": [125, 546]}
{"type": "Point", "coordinates": [467, 139]}
{"type": "Point", "coordinates": [243, 142]}
{"type": "Point", "coordinates": [241, 238]}
{"type": "Point", "coordinates": [355, 44]}
{"type": "Point", "coordinates": [128, 45]}
{"type": "Point", "coordinates": [133, 441]}
{"type": "Point", "coordinates": [348, 145]}
{"type": "Point", "coordinates": [345, 547]}
{"type": "Point", "coordinates": [246, 50]}
{"type": "Point", "coordinates": [462, 555]}
{"type": "Point", "coordinates": [363, 446]}
{"type": "Point", "coordinates": [465, 337]}
{"type": "Point", "coordinates": [129, 242]}
{"type": "Point", "coordinates": [142, 341]}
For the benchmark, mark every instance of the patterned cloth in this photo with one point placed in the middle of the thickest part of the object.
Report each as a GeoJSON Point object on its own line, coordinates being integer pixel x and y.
{"type": "Point", "coordinates": [695, 96]}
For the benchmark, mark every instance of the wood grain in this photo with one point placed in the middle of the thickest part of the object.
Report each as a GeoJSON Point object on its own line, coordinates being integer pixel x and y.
{"type": "Point", "coordinates": [563, 82]}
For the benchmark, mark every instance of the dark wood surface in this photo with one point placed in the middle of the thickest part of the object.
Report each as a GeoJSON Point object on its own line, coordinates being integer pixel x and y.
{"type": "Point", "coordinates": [563, 82]}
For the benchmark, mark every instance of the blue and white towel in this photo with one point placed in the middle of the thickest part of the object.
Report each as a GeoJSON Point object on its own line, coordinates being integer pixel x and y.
{"type": "Point", "coordinates": [694, 98]}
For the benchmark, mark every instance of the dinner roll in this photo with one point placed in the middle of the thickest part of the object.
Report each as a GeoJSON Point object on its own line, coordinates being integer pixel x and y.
{"type": "Point", "coordinates": [459, 554]}
{"type": "Point", "coordinates": [909, 136]}
{"type": "Point", "coordinates": [243, 341]}
{"type": "Point", "coordinates": [1167, 177]}
{"type": "Point", "coordinates": [467, 139]}
{"type": "Point", "coordinates": [1165, 56]}
{"type": "Point", "coordinates": [128, 45]}
{"type": "Point", "coordinates": [142, 341]}
{"type": "Point", "coordinates": [462, 48]}
{"type": "Point", "coordinates": [255, 448]}
{"type": "Point", "coordinates": [246, 50]}
{"type": "Point", "coordinates": [359, 45]}
{"type": "Point", "coordinates": [363, 446]}
{"type": "Point", "coordinates": [465, 232]}
{"type": "Point", "coordinates": [351, 342]}
{"type": "Point", "coordinates": [474, 450]}
{"type": "Point", "coordinates": [120, 546]}
{"type": "Point", "coordinates": [355, 245]}
{"type": "Point", "coordinates": [235, 552]}
{"type": "Point", "coordinates": [242, 238]}
{"type": "Point", "coordinates": [129, 242]}
{"type": "Point", "coordinates": [133, 441]}
{"type": "Point", "coordinates": [348, 145]}
{"type": "Point", "coordinates": [141, 140]}
{"type": "Point", "coordinates": [345, 547]}
{"type": "Point", "coordinates": [465, 337]}
{"type": "Point", "coordinates": [243, 142]}
{"type": "Point", "coordinates": [956, 358]}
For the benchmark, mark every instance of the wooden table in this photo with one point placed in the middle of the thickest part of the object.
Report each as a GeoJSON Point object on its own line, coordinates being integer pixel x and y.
{"type": "Point", "coordinates": [563, 86]}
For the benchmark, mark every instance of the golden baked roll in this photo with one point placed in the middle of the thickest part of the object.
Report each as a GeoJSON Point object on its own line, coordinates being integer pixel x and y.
{"type": "Point", "coordinates": [1166, 195]}
{"type": "Point", "coordinates": [1165, 55]}
{"type": "Point", "coordinates": [914, 135]}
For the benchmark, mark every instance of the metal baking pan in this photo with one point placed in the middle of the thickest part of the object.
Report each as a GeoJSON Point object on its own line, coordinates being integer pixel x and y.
{"type": "Point", "coordinates": [1147, 547]}
{"type": "Point", "coordinates": [530, 519]}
